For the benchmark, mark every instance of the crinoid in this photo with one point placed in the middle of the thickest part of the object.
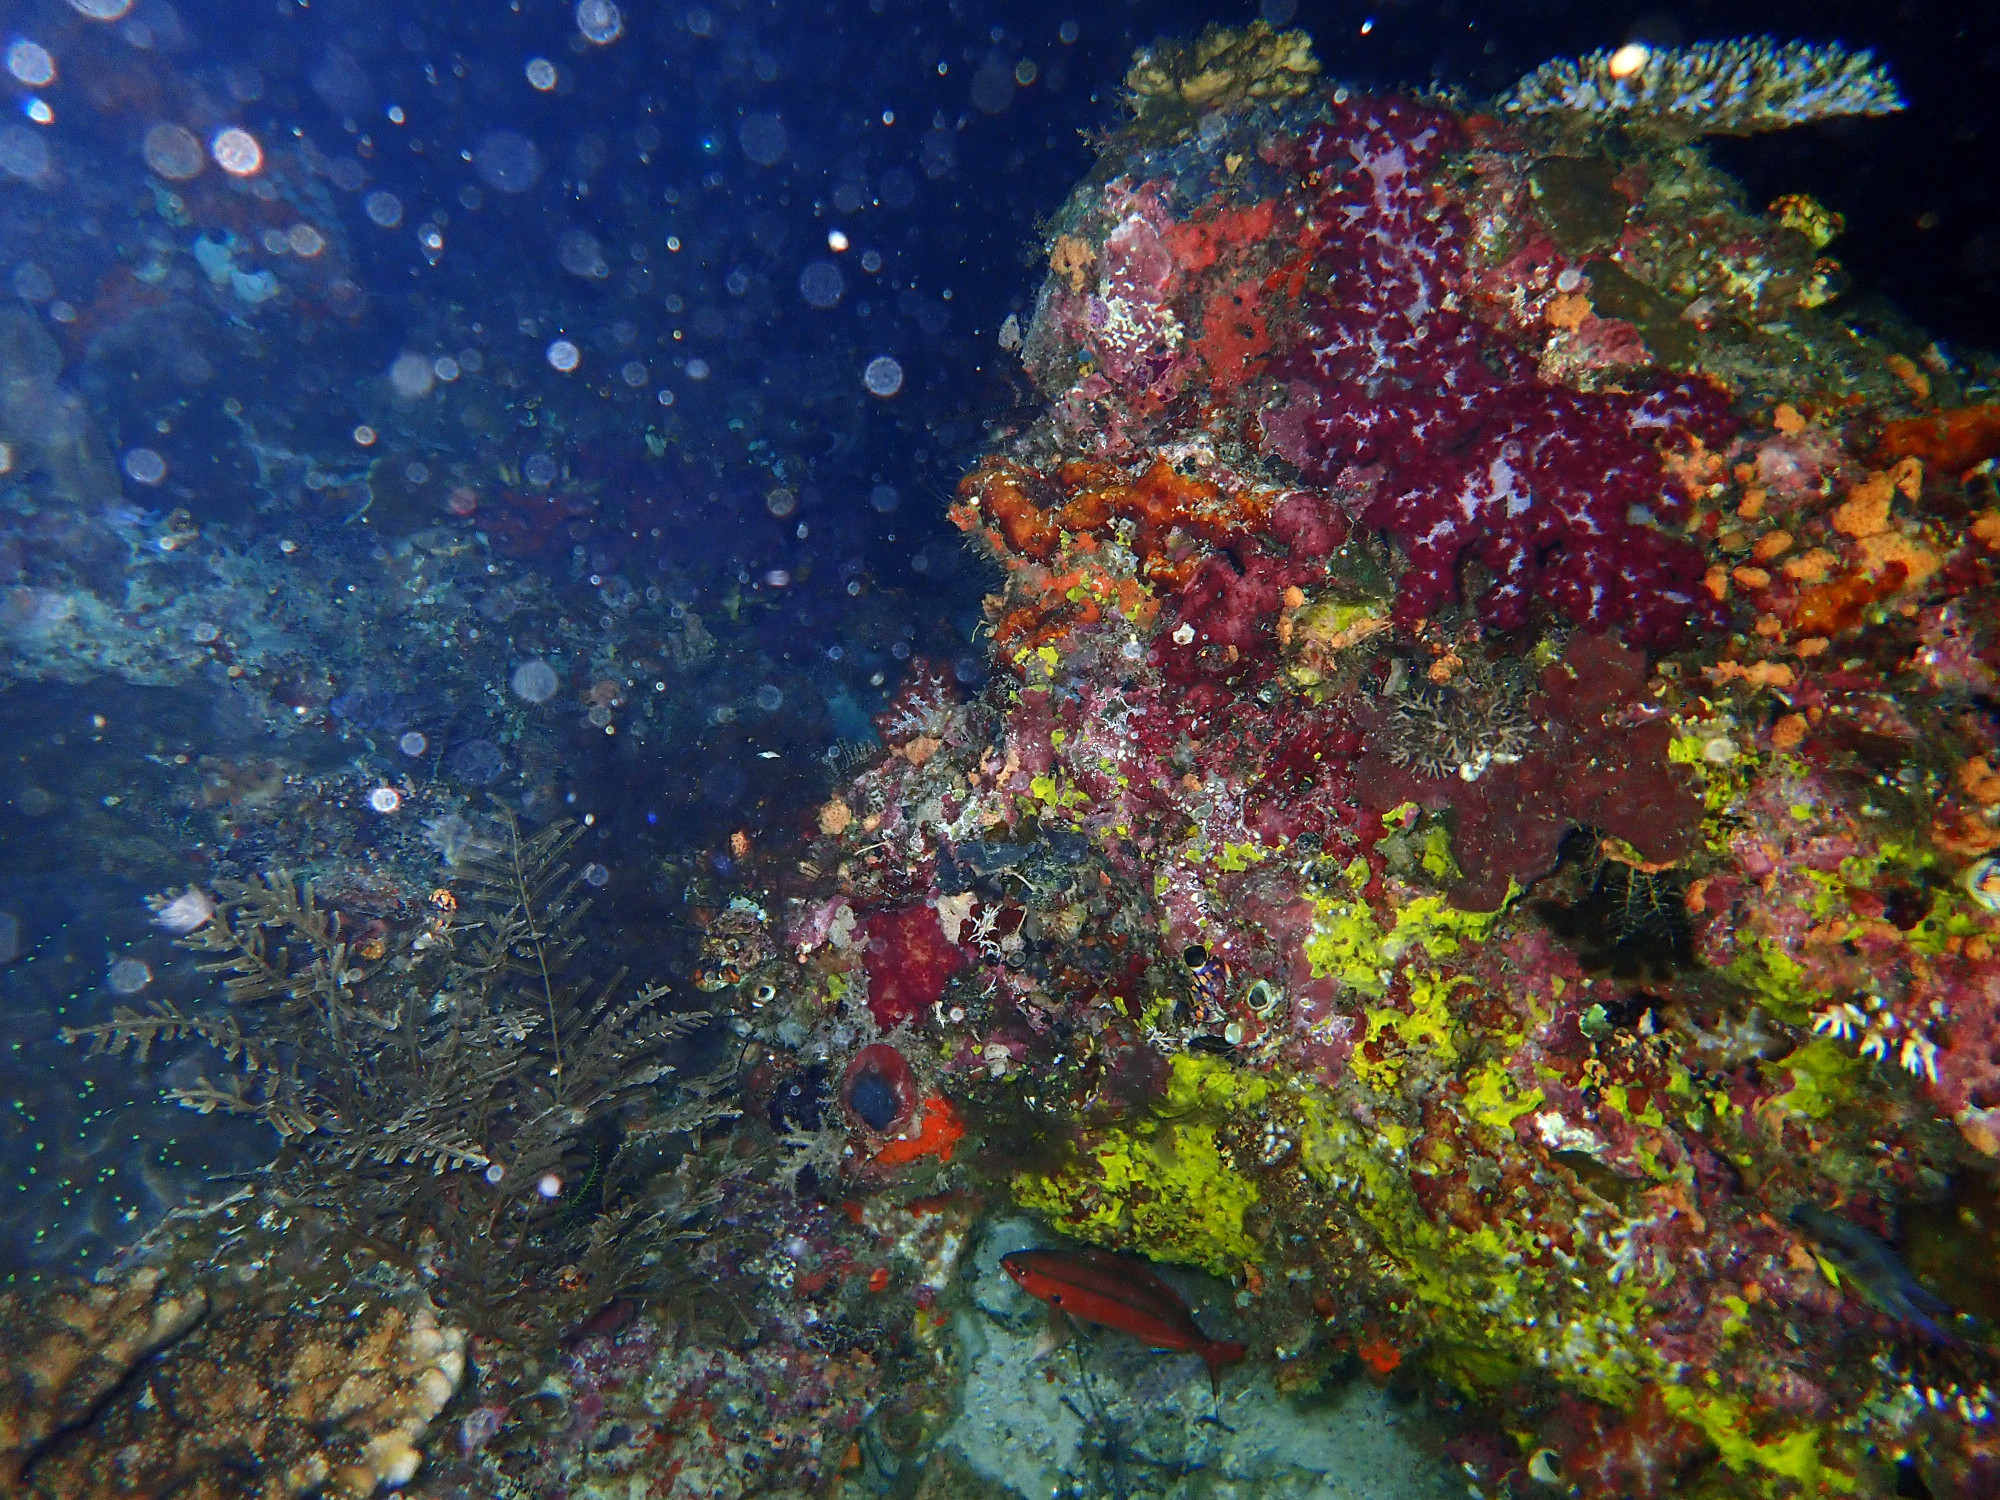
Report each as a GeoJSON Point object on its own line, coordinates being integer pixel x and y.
{"type": "Point", "coordinates": [1476, 718]}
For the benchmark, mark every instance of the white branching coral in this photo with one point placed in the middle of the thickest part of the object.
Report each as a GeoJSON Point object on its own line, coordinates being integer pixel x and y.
{"type": "Point", "coordinates": [1737, 87]}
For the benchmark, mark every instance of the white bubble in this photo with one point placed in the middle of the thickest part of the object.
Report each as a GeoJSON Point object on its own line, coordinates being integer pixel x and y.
{"type": "Point", "coordinates": [145, 466]}
{"type": "Point", "coordinates": [128, 976]}
{"type": "Point", "coordinates": [385, 209]}
{"type": "Point", "coordinates": [541, 73]}
{"type": "Point", "coordinates": [763, 139]}
{"type": "Point", "coordinates": [837, 241]}
{"type": "Point", "coordinates": [24, 155]}
{"type": "Point", "coordinates": [236, 151]}
{"type": "Point", "coordinates": [599, 21]}
{"type": "Point", "coordinates": [30, 63]}
{"type": "Point", "coordinates": [883, 376]}
{"type": "Point", "coordinates": [535, 681]}
{"type": "Point", "coordinates": [507, 161]}
{"type": "Point", "coordinates": [385, 799]}
{"type": "Point", "coordinates": [821, 284]}
{"type": "Point", "coordinates": [564, 356]}
{"type": "Point", "coordinates": [101, 10]}
{"type": "Point", "coordinates": [412, 743]}
{"type": "Point", "coordinates": [411, 376]}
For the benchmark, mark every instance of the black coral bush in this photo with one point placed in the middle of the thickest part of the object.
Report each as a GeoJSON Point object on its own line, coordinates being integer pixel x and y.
{"type": "Point", "coordinates": [466, 1100]}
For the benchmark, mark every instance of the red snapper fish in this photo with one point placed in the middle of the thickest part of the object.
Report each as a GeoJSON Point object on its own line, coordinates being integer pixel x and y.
{"type": "Point", "coordinates": [1114, 1292]}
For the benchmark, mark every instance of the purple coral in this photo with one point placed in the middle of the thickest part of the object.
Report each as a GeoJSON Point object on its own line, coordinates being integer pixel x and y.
{"type": "Point", "coordinates": [1554, 492]}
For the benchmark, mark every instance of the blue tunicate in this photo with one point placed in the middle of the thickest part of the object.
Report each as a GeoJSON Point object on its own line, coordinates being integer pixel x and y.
{"type": "Point", "coordinates": [873, 1098]}
{"type": "Point", "coordinates": [476, 763]}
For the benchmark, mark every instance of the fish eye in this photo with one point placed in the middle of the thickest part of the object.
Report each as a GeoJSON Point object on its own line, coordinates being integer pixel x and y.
{"type": "Point", "coordinates": [1194, 955]}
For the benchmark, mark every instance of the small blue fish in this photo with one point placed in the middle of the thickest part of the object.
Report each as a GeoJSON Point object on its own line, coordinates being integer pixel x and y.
{"type": "Point", "coordinates": [1876, 1271]}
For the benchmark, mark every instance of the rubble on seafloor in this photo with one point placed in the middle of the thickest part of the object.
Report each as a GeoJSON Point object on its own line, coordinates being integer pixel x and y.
{"type": "Point", "coordinates": [1480, 854]}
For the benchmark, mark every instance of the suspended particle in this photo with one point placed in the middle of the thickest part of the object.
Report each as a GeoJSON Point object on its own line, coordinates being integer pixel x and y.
{"type": "Point", "coordinates": [383, 209]}
{"type": "Point", "coordinates": [145, 466]}
{"type": "Point", "coordinates": [31, 63]}
{"type": "Point", "coordinates": [564, 356]}
{"type": "Point", "coordinates": [236, 151]}
{"type": "Point", "coordinates": [507, 161]}
{"type": "Point", "coordinates": [412, 743]}
{"type": "Point", "coordinates": [305, 240]}
{"type": "Point", "coordinates": [101, 10]}
{"type": "Point", "coordinates": [599, 21]}
{"type": "Point", "coordinates": [385, 799]}
{"type": "Point", "coordinates": [128, 976]}
{"type": "Point", "coordinates": [883, 377]}
{"type": "Point", "coordinates": [541, 74]}
{"type": "Point", "coordinates": [821, 284]}
{"type": "Point", "coordinates": [534, 681]}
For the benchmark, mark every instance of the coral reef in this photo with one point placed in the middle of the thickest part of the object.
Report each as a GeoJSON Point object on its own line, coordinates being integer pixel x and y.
{"type": "Point", "coordinates": [1737, 87]}
{"type": "Point", "coordinates": [1485, 834]}
{"type": "Point", "coordinates": [241, 1401]}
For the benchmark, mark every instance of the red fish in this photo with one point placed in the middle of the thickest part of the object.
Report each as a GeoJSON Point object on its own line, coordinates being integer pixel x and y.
{"type": "Point", "coordinates": [1114, 1292]}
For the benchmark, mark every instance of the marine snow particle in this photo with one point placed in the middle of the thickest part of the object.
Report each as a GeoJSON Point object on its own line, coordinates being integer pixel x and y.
{"type": "Point", "coordinates": [541, 74]}
{"type": "Point", "coordinates": [781, 502]}
{"type": "Point", "coordinates": [236, 151]}
{"type": "Point", "coordinates": [173, 152]}
{"type": "Point", "coordinates": [30, 63]}
{"type": "Point", "coordinates": [10, 938]}
{"type": "Point", "coordinates": [383, 209]}
{"type": "Point", "coordinates": [411, 376]}
{"type": "Point", "coordinates": [385, 799]}
{"type": "Point", "coordinates": [821, 284]}
{"type": "Point", "coordinates": [778, 578]}
{"type": "Point", "coordinates": [696, 369]}
{"type": "Point", "coordinates": [539, 470]}
{"type": "Point", "coordinates": [364, 435]}
{"type": "Point", "coordinates": [101, 10]}
{"type": "Point", "coordinates": [550, 1185]}
{"type": "Point", "coordinates": [564, 356]}
{"type": "Point", "coordinates": [507, 161]}
{"type": "Point", "coordinates": [305, 240]}
{"type": "Point", "coordinates": [763, 139]}
{"type": "Point", "coordinates": [1719, 751]}
{"type": "Point", "coordinates": [837, 240]}
{"type": "Point", "coordinates": [128, 976]}
{"type": "Point", "coordinates": [581, 255]}
{"type": "Point", "coordinates": [770, 697]}
{"type": "Point", "coordinates": [596, 875]}
{"type": "Point", "coordinates": [599, 21]}
{"type": "Point", "coordinates": [184, 912]}
{"type": "Point", "coordinates": [634, 372]}
{"type": "Point", "coordinates": [884, 498]}
{"type": "Point", "coordinates": [145, 466]}
{"type": "Point", "coordinates": [445, 368]}
{"type": "Point", "coordinates": [883, 376]}
{"type": "Point", "coordinates": [1628, 60]}
{"type": "Point", "coordinates": [413, 743]}
{"type": "Point", "coordinates": [24, 155]}
{"type": "Point", "coordinates": [535, 681]}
